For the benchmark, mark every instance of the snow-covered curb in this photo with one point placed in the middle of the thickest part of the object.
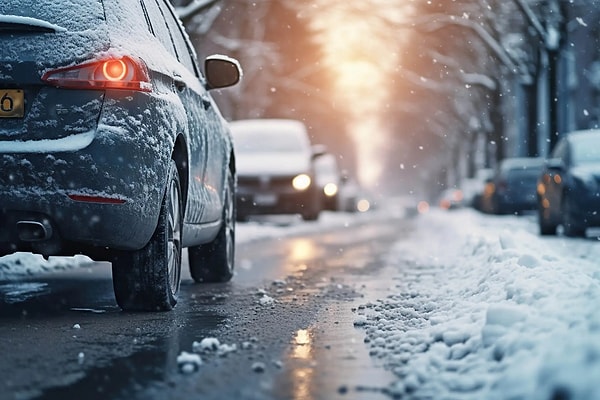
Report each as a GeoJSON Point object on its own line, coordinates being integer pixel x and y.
{"type": "Point", "coordinates": [483, 308]}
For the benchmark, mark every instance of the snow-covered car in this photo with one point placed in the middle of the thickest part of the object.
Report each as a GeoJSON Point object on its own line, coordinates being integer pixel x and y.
{"type": "Point", "coordinates": [329, 181]}
{"type": "Point", "coordinates": [569, 186]}
{"type": "Point", "coordinates": [111, 145]}
{"type": "Point", "coordinates": [274, 160]}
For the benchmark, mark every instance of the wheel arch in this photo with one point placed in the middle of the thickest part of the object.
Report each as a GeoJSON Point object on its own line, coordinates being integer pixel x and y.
{"type": "Point", "coordinates": [232, 166]}
{"type": "Point", "coordinates": [180, 156]}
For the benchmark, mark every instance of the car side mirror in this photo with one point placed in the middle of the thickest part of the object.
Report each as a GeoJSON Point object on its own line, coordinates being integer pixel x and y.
{"type": "Point", "coordinates": [221, 71]}
{"type": "Point", "coordinates": [318, 150]}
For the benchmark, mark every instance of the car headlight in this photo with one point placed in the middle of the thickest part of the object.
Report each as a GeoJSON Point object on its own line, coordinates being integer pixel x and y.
{"type": "Point", "coordinates": [301, 182]}
{"type": "Point", "coordinates": [330, 189]}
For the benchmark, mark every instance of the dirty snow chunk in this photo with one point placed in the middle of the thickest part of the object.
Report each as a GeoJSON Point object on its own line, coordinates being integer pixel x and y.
{"type": "Point", "coordinates": [188, 362]}
{"type": "Point", "coordinates": [258, 367]}
{"type": "Point", "coordinates": [247, 345]}
{"type": "Point", "coordinates": [361, 320]}
{"type": "Point", "coordinates": [76, 326]}
{"type": "Point", "coordinates": [225, 349]}
{"type": "Point", "coordinates": [266, 300]}
{"type": "Point", "coordinates": [206, 344]}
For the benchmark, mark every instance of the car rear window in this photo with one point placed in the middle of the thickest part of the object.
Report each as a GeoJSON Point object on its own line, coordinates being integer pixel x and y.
{"type": "Point", "coordinates": [268, 141]}
{"type": "Point", "coordinates": [72, 15]}
{"type": "Point", "coordinates": [524, 176]}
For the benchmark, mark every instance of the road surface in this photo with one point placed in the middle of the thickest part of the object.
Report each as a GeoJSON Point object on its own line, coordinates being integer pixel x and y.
{"type": "Point", "coordinates": [284, 326]}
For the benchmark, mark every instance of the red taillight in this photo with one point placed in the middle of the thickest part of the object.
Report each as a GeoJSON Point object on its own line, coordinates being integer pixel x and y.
{"type": "Point", "coordinates": [116, 73]}
{"type": "Point", "coordinates": [96, 199]}
{"type": "Point", "coordinates": [114, 70]}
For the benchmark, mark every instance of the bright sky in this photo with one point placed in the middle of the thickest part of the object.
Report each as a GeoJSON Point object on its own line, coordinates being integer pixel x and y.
{"type": "Point", "coordinates": [361, 50]}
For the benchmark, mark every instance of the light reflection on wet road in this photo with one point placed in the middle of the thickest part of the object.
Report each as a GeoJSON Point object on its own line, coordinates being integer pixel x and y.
{"type": "Point", "coordinates": [305, 339]}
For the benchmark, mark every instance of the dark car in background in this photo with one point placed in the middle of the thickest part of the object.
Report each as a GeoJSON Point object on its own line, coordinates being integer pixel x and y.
{"type": "Point", "coordinates": [111, 145]}
{"type": "Point", "coordinates": [569, 187]}
{"type": "Point", "coordinates": [512, 190]}
{"type": "Point", "coordinates": [275, 168]}
{"type": "Point", "coordinates": [474, 188]}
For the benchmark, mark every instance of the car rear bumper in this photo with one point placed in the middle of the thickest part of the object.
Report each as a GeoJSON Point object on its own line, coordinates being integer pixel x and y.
{"type": "Point", "coordinates": [514, 204]}
{"type": "Point", "coordinates": [105, 195]}
{"type": "Point", "coordinates": [260, 203]}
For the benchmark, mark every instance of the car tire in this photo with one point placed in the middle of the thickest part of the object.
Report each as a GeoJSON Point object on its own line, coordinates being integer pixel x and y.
{"type": "Point", "coordinates": [214, 261]}
{"type": "Point", "coordinates": [148, 279]}
{"type": "Point", "coordinates": [546, 228]}
{"type": "Point", "coordinates": [570, 226]}
{"type": "Point", "coordinates": [312, 209]}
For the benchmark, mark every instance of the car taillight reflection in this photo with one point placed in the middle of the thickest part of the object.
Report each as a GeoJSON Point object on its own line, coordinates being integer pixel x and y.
{"type": "Point", "coordinates": [423, 207]}
{"type": "Point", "coordinates": [116, 73]}
{"type": "Point", "coordinates": [363, 205]}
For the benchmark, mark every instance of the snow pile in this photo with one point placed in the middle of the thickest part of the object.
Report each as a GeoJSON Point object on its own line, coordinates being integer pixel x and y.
{"type": "Point", "coordinates": [17, 265]}
{"type": "Point", "coordinates": [210, 344]}
{"type": "Point", "coordinates": [478, 311]}
{"type": "Point", "coordinates": [188, 362]}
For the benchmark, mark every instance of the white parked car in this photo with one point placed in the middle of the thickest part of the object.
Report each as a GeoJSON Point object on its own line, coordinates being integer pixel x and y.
{"type": "Point", "coordinates": [274, 159]}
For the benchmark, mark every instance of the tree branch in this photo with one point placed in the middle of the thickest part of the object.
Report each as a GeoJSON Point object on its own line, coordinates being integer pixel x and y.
{"type": "Point", "coordinates": [187, 12]}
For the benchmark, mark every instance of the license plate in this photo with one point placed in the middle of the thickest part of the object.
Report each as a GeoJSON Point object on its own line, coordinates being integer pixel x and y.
{"type": "Point", "coordinates": [12, 103]}
{"type": "Point", "coordinates": [265, 199]}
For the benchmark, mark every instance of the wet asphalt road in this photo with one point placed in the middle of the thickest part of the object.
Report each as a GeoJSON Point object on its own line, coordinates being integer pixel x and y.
{"type": "Point", "coordinates": [288, 311]}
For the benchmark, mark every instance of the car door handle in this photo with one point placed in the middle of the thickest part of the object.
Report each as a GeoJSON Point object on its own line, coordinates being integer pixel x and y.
{"type": "Point", "coordinates": [179, 83]}
{"type": "Point", "coordinates": [206, 103]}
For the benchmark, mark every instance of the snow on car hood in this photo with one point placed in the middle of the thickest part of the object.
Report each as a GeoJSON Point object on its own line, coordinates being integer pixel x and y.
{"type": "Point", "coordinates": [272, 163]}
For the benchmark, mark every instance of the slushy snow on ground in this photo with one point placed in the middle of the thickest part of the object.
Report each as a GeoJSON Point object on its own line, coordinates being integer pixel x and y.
{"type": "Point", "coordinates": [482, 307]}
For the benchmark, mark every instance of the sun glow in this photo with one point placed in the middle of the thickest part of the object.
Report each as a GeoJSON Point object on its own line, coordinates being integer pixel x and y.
{"type": "Point", "coordinates": [361, 51]}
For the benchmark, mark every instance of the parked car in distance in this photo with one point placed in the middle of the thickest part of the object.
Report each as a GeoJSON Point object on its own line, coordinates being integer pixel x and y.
{"type": "Point", "coordinates": [451, 199]}
{"type": "Point", "coordinates": [275, 168]}
{"type": "Point", "coordinates": [111, 145]}
{"type": "Point", "coordinates": [569, 186]}
{"type": "Point", "coordinates": [474, 188]}
{"type": "Point", "coordinates": [329, 181]}
{"type": "Point", "coordinates": [353, 197]}
{"type": "Point", "coordinates": [513, 187]}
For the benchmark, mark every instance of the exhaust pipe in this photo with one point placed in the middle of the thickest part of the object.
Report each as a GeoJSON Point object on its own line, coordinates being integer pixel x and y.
{"type": "Point", "coordinates": [33, 231]}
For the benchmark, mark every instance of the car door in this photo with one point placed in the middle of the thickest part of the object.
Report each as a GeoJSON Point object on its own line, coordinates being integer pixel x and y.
{"type": "Point", "coordinates": [190, 89]}
{"type": "Point", "coordinates": [211, 125]}
{"type": "Point", "coordinates": [208, 122]}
